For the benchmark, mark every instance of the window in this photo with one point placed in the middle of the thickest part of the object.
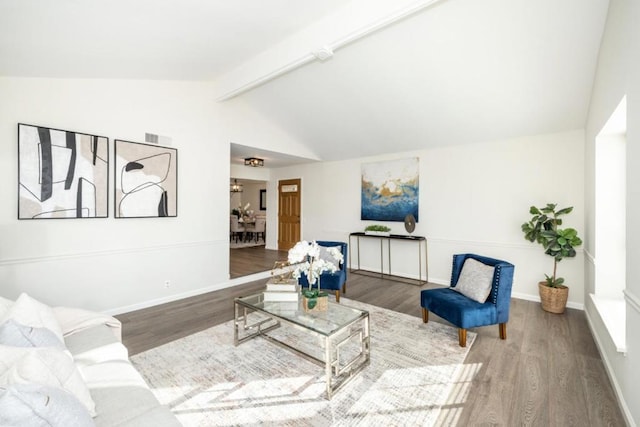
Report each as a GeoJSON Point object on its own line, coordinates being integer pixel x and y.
{"type": "Point", "coordinates": [610, 224]}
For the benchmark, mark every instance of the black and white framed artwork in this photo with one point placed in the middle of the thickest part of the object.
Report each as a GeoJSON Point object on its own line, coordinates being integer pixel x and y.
{"type": "Point", "coordinates": [61, 174]}
{"type": "Point", "coordinates": [146, 180]}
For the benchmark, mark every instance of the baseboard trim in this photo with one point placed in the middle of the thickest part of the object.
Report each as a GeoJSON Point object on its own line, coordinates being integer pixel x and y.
{"type": "Point", "coordinates": [611, 373]}
{"type": "Point", "coordinates": [536, 298]}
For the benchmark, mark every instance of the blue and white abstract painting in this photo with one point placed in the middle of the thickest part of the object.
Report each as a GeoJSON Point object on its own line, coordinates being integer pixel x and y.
{"type": "Point", "coordinates": [390, 190]}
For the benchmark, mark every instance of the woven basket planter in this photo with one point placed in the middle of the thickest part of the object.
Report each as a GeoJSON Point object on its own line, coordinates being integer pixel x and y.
{"type": "Point", "coordinates": [553, 300]}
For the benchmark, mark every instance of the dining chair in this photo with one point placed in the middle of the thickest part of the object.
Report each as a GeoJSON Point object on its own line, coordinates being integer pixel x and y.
{"type": "Point", "coordinates": [259, 229]}
{"type": "Point", "coordinates": [237, 230]}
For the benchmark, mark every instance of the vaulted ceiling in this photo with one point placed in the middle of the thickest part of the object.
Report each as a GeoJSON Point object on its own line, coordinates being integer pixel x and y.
{"type": "Point", "coordinates": [442, 72]}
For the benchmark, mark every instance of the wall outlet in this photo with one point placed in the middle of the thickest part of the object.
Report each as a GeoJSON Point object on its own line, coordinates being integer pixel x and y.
{"type": "Point", "coordinates": [167, 283]}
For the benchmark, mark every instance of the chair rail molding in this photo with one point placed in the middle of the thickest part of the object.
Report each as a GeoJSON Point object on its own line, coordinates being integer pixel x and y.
{"type": "Point", "coordinates": [89, 254]}
{"type": "Point", "coordinates": [590, 258]}
{"type": "Point", "coordinates": [632, 300]}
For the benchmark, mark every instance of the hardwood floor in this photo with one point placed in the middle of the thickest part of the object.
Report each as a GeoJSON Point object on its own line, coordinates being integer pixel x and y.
{"type": "Point", "coordinates": [547, 373]}
{"type": "Point", "coordinates": [245, 261]}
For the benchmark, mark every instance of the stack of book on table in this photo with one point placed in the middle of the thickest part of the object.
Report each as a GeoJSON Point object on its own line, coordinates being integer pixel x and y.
{"type": "Point", "coordinates": [279, 291]}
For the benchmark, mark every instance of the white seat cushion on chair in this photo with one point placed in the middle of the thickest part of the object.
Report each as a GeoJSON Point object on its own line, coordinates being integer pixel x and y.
{"type": "Point", "coordinates": [475, 280]}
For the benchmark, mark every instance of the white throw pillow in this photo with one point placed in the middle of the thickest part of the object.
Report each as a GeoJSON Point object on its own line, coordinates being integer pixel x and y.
{"type": "Point", "coordinates": [35, 405]}
{"type": "Point", "coordinates": [327, 255]}
{"type": "Point", "coordinates": [475, 280]}
{"type": "Point", "coordinates": [30, 312]}
{"type": "Point", "coordinates": [19, 335]}
{"type": "Point", "coordinates": [45, 366]}
{"type": "Point", "coordinates": [5, 305]}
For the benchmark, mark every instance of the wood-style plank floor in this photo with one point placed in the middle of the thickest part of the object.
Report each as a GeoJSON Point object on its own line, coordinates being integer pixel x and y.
{"type": "Point", "coordinates": [246, 261]}
{"type": "Point", "coordinates": [547, 373]}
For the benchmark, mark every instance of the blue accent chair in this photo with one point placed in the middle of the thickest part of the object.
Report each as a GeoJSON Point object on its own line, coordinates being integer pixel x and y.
{"type": "Point", "coordinates": [466, 313]}
{"type": "Point", "coordinates": [332, 281]}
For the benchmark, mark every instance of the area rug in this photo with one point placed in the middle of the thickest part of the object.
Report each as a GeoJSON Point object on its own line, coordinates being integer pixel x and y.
{"type": "Point", "coordinates": [206, 381]}
{"type": "Point", "coordinates": [240, 245]}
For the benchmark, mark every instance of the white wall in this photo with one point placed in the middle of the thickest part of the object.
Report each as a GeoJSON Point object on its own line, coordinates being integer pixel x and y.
{"type": "Point", "coordinates": [109, 264]}
{"type": "Point", "coordinates": [117, 265]}
{"type": "Point", "coordinates": [618, 74]}
{"type": "Point", "coordinates": [473, 198]}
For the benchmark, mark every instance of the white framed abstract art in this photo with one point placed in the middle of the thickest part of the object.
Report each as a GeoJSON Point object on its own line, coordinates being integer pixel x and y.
{"type": "Point", "coordinates": [62, 174]}
{"type": "Point", "coordinates": [146, 180]}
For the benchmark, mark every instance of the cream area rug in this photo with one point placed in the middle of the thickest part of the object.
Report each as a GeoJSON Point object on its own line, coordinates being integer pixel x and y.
{"type": "Point", "coordinates": [240, 245]}
{"type": "Point", "coordinates": [415, 369]}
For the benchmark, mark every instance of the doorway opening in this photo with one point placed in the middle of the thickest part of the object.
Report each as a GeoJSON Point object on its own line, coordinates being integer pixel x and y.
{"type": "Point", "coordinates": [259, 259]}
{"type": "Point", "coordinates": [247, 229]}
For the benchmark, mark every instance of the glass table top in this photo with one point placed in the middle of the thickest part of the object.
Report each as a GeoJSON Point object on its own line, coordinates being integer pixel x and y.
{"type": "Point", "coordinates": [336, 317]}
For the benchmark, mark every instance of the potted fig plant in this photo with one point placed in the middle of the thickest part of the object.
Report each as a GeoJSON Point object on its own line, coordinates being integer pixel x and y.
{"type": "Point", "coordinates": [558, 243]}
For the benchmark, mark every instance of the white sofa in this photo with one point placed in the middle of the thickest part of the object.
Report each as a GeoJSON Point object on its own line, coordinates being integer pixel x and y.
{"type": "Point", "coordinates": [86, 380]}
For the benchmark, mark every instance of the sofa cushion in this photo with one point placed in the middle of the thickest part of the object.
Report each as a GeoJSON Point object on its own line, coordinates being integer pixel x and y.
{"type": "Point", "coordinates": [19, 335]}
{"type": "Point", "coordinates": [111, 373]}
{"type": "Point", "coordinates": [46, 366]}
{"type": "Point", "coordinates": [95, 345]}
{"type": "Point", "coordinates": [475, 280]}
{"type": "Point", "coordinates": [31, 312]}
{"type": "Point", "coordinates": [130, 406]}
{"type": "Point", "coordinates": [122, 396]}
{"type": "Point", "coordinates": [461, 311]}
{"type": "Point", "coordinates": [73, 320]}
{"type": "Point", "coordinates": [35, 405]}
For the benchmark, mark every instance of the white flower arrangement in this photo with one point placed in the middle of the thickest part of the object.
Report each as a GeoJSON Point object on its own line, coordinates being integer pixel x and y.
{"type": "Point", "coordinates": [307, 260]}
{"type": "Point", "coordinates": [243, 212]}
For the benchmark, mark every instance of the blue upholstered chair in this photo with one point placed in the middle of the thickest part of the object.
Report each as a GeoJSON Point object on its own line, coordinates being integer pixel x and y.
{"type": "Point", "coordinates": [332, 281]}
{"type": "Point", "coordinates": [466, 313]}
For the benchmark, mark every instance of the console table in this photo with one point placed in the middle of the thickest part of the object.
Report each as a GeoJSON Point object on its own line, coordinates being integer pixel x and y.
{"type": "Point", "coordinates": [420, 240]}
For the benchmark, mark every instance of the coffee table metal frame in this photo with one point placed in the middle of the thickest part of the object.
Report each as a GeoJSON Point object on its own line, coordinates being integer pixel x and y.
{"type": "Point", "coordinates": [337, 374]}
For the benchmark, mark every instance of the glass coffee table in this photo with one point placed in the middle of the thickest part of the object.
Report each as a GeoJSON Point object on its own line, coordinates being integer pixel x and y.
{"type": "Point", "coordinates": [343, 345]}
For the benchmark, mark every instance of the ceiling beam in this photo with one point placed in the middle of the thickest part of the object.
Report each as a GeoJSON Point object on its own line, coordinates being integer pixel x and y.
{"type": "Point", "coordinates": [324, 52]}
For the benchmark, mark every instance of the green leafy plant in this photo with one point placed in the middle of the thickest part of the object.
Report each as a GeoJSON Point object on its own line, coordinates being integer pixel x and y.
{"type": "Point", "coordinates": [376, 227]}
{"type": "Point", "coordinates": [312, 295]}
{"type": "Point", "coordinates": [557, 242]}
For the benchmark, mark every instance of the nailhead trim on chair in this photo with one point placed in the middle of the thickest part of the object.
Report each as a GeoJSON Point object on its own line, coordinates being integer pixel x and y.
{"type": "Point", "coordinates": [494, 290]}
{"type": "Point", "coordinates": [453, 263]}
